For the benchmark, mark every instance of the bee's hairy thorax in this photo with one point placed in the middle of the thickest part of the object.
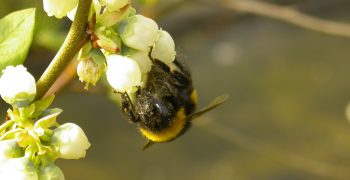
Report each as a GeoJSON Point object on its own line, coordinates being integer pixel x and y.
{"type": "Point", "coordinates": [161, 106]}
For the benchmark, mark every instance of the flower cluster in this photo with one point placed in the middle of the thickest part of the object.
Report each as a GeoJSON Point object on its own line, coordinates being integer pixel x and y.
{"type": "Point", "coordinates": [126, 43]}
{"type": "Point", "coordinates": [30, 138]}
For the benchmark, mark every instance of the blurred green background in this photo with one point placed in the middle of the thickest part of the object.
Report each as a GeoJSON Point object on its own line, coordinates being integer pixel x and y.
{"type": "Point", "coordinates": [285, 119]}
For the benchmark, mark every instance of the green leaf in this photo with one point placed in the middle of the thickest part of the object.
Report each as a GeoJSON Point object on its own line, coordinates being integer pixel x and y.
{"type": "Point", "coordinates": [49, 120]}
{"type": "Point", "coordinates": [42, 104]}
{"type": "Point", "coordinates": [6, 125]}
{"type": "Point", "coordinates": [10, 134]}
{"type": "Point", "coordinates": [16, 34]}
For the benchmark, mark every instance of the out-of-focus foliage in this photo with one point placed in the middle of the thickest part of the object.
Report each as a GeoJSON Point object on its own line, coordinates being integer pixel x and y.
{"type": "Point", "coordinates": [16, 31]}
{"type": "Point", "coordinates": [148, 2]}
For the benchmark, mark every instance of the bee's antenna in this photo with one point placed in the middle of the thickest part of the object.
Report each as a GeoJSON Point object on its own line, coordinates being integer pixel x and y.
{"type": "Point", "coordinates": [213, 104]}
{"type": "Point", "coordinates": [148, 144]}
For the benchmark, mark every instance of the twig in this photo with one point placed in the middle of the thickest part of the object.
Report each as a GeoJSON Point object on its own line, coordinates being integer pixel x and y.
{"type": "Point", "coordinates": [70, 72]}
{"type": "Point", "coordinates": [66, 77]}
{"type": "Point", "coordinates": [288, 14]}
{"type": "Point", "coordinates": [288, 158]}
{"type": "Point", "coordinates": [76, 38]}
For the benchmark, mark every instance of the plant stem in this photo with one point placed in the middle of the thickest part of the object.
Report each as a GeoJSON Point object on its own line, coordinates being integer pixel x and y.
{"type": "Point", "coordinates": [75, 39]}
{"type": "Point", "coordinates": [6, 125]}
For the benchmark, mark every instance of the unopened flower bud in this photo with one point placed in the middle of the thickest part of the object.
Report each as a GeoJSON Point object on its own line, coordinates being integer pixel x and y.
{"type": "Point", "coordinates": [51, 172]}
{"type": "Point", "coordinates": [114, 5]}
{"type": "Point", "coordinates": [110, 18]}
{"type": "Point", "coordinates": [70, 141]}
{"type": "Point", "coordinates": [108, 39]}
{"type": "Point", "coordinates": [84, 52]}
{"type": "Point", "coordinates": [10, 149]}
{"type": "Point", "coordinates": [164, 48]}
{"type": "Point", "coordinates": [138, 32]}
{"type": "Point", "coordinates": [90, 70]}
{"type": "Point", "coordinates": [18, 169]}
{"type": "Point", "coordinates": [123, 73]}
{"type": "Point", "coordinates": [17, 86]}
{"type": "Point", "coordinates": [59, 8]}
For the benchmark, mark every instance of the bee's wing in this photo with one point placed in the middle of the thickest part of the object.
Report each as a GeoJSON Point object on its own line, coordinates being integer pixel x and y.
{"type": "Point", "coordinates": [213, 104]}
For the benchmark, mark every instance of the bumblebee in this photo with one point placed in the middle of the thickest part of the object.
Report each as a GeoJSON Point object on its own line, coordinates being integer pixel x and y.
{"type": "Point", "coordinates": [165, 106]}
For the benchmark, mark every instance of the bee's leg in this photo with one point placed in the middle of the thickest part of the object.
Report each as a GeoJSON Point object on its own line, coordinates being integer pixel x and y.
{"type": "Point", "coordinates": [128, 107]}
{"type": "Point", "coordinates": [180, 80]}
{"type": "Point", "coordinates": [182, 67]}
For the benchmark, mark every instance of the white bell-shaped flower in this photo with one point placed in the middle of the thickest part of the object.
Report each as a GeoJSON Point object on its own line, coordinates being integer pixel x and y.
{"type": "Point", "coordinates": [51, 172]}
{"type": "Point", "coordinates": [164, 48]}
{"type": "Point", "coordinates": [138, 32]}
{"type": "Point", "coordinates": [143, 60]}
{"type": "Point", "coordinates": [59, 8]}
{"type": "Point", "coordinates": [123, 73]}
{"type": "Point", "coordinates": [18, 169]}
{"type": "Point", "coordinates": [10, 149]}
{"type": "Point", "coordinates": [17, 86]}
{"type": "Point", "coordinates": [70, 141]}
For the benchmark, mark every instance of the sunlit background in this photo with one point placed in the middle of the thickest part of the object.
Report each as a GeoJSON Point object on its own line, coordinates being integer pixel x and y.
{"type": "Point", "coordinates": [286, 117]}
